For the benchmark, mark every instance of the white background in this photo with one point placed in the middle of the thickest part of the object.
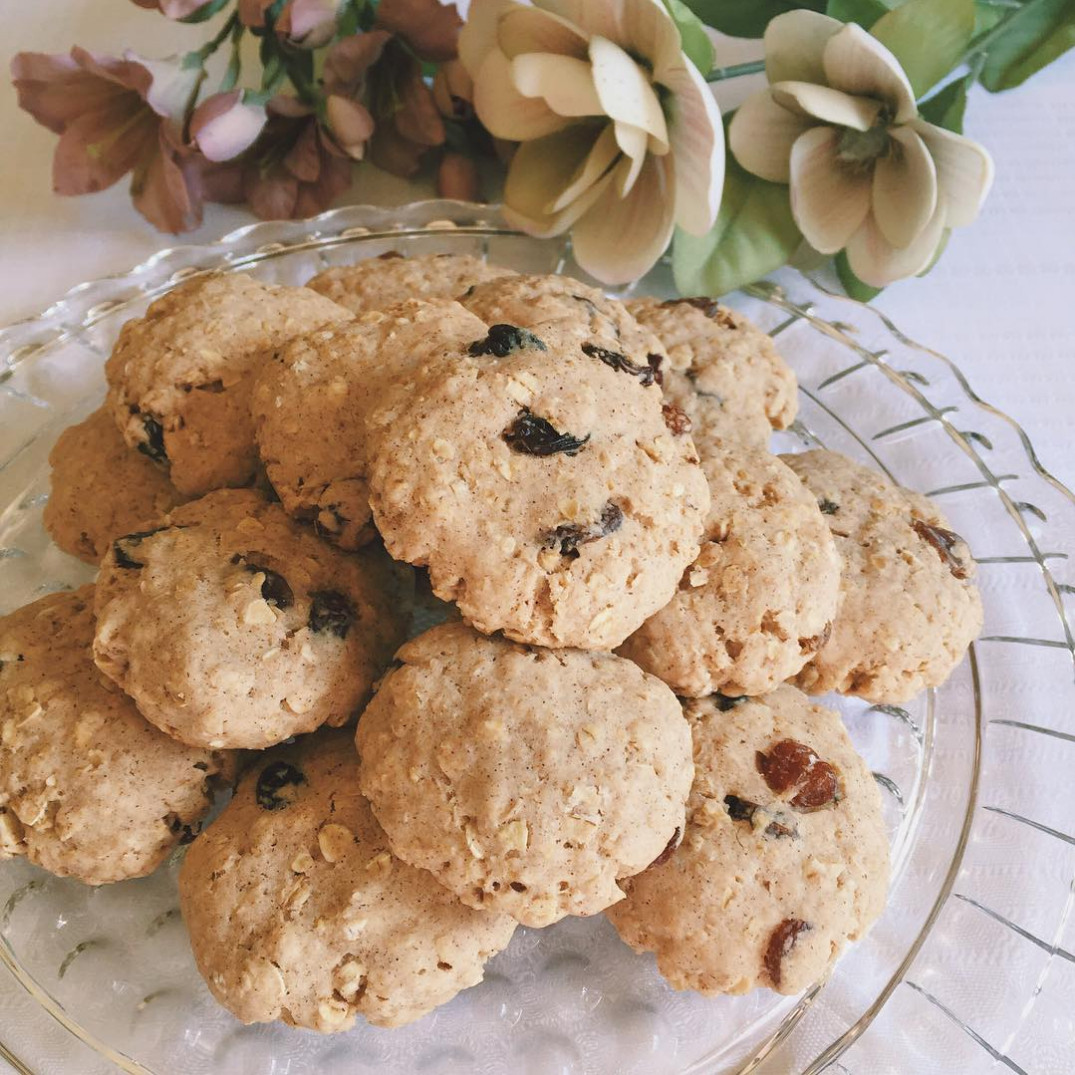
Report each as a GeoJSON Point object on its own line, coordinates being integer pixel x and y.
{"type": "Point", "coordinates": [1001, 303]}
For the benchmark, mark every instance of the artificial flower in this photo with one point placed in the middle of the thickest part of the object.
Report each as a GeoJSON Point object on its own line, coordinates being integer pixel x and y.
{"type": "Point", "coordinates": [309, 24]}
{"type": "Point", "coordinates": [453, 91]}
{"type": "Point", "coordinates": [430, 28]}
{"type": "Point", "coordinates": [224, 125]}
{"type": "Point", "coordinates": [174, 9]}
{"type": "Point", "coordinates": [457, 177]}
{"type": "Point", "coordinates": [345, 80]}
{"type": "Point", "coordinates": [839, 123]}
{"type": "Point", "coordinates": [116, 116]}
{"type": "Point", "coordinates": [621, 139]}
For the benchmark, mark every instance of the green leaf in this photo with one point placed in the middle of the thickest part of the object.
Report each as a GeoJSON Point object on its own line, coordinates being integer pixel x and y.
{"type": "Point", "coordinates": [864, 12]}
{"type": "Point", "coordinates": [206, 11]}
{"type": "Point", "coordinates": [852, 284]}
{"type": "Point", "coordinates": [745, 18]}
{"type": "Point", "coordinates": [929, 37]}
{"type": "Point", "coordinates": [754, 234]}
{"type": "Point", "coordinates": [947, 106]}
{"type": "Point", "coordinates": [1030, 39]}
{"type": "Point", "coordinates": [692, 35]}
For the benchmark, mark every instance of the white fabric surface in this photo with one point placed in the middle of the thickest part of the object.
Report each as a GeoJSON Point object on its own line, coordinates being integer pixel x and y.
{"type": "Point", "coordinates": [999, 303]}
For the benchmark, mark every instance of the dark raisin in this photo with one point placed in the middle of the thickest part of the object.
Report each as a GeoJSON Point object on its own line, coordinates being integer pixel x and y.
{"type": "Point", "coordinates": [944, 541]}
{"type": "Point", "coordinates": [186, 833]}
{"type": "Point", "coordinates": [517, 886]}
{"type": "Point", "coordinates": [276, 776]}
{"type": "Point", "coordinates": [338, 522]}
{"type": "Point", "coordinates": [781, 942]}
{"type": "Point", "coordinates": [503, 340]}
{"type": "Point", "coordinates": [669, 848]}
{"type": "Point", "coordinates": [646, 375]}
{"type": "Point", "coordinates": [569, 536]}
{"type": "Point", "coordinates": [654, 363]}
{"type": "Point", "coordinates": [827, 506]}
{"type": "Point", "coordinates": [388, 255]}
{"type": "Point", "coordinates": [533, 435]}
{"type": "Point", "coordinates": [153, 445]}
{"type": "Point", "coordinates": [274, 588]}
{"type": "Point", "coordinates": [724, 702]}
{"type": "Point", "coordinates": [213, 387]}
{"type": "Point", "coordinates": [331, 611]}
{"type": "Point", "coordinates": [791, 764]}
{"type": "Point", "coordinates": [122, 545]}
{"type": "Point", "coordinates": [813, 643]}
{"type": "Point", "coordinates": [202, 765]}
{"type": "Point", "coordinates": [744, 810]}
{"type": "Point", "coordinates": [708, 306]}
{"type": "Point", "coordinates": [676, 420]}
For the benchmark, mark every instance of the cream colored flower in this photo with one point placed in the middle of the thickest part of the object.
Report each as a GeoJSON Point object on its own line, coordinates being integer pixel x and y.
{"type": "Point", "coordinates": [620, 137]}
{"type": "Point", "coordinates": [840, 124]}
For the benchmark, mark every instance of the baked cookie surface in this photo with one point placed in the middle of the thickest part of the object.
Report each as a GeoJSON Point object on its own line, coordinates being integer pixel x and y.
{"type": "Point", "coordinates": [298, 910]}
{"type": "Point", "coordinates": [540, 483]}
{"type": "Point", "coordinates": [526, 780]}
{"type": "Point", "coordinates": [88, 788]}
{"type": "Point", "coordinates": [761, 596]}
{"type": "Point", "coordinates": [722, 371]}
{"type": "Point", "coordinates": [784, 858]}
{"type": "Point", "coordinates": [101, 488]}
{"type": "Point", "coordinates": [180, 377]}
{"type": "Point", "coordinates": [311, 400]}
{"type": "Point", "coordinates": [382, 281]}
{"type": "Point", "coordinates": [909, 607]}
{"type": "Point", "coordinates": [231, 625]}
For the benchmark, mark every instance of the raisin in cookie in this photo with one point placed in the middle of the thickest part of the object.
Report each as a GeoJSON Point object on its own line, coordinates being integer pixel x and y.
{"type": "Point", "coordinates": [88, 788]}
{"type": "Point", "coordinates": [534, 300]}
{"type": "Point", "coordinates": [180, 377]}
{"type": "Point", "coordinates": [759, 600]}
{"type": "Point", "coordinates": [526, 780]}
{"type": "Point", "coordinates": [382, 281]}
{"type": "Point", "coordinates": [784, 858]}
{"type": "Point", "coordinates": [541, 486]}
{"type": "Point", "coordinates": [311, 401]}
{"type": "Point", "coordinates": [908, 604]}
{"type": "Point", "coordinates": [723, 372]}
{"type": "Point", "coordinates": [231, 625]}
{"type": "Point", "coordinates": [101, 488]}
{"type": "Point", "coordinates": [298, 910]}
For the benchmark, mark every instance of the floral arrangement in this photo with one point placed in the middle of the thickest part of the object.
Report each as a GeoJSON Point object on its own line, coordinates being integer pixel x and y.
{"type": "Point", "coordinates": [597, 112]}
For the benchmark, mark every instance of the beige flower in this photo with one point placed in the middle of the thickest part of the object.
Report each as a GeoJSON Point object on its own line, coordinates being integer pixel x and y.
{"type": "Point", "coordinates": [620, 137]}
{"type": "Point", "coordinates": [840, 124]}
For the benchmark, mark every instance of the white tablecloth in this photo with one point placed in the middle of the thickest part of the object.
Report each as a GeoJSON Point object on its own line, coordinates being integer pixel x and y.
{"type": "Point", "coordinates": [1000, 303]}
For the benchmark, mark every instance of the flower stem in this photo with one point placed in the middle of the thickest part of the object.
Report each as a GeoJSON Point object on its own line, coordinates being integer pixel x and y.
{"type": "Point", "coordinates": [198, 57]}
{"type": "Point", "coordinates": [719, 74]}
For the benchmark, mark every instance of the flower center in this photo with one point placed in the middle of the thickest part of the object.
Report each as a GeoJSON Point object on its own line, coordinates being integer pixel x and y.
{"type": "Point", "coordinates": [860, 149]}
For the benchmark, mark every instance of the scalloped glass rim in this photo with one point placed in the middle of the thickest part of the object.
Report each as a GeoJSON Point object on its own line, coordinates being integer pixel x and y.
{"type": "Point", "coordinates": [808, 1036]}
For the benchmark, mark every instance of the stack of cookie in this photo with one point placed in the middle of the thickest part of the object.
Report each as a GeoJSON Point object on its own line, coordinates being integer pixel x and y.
{"type": "Point", "coordinates": [611, 719]}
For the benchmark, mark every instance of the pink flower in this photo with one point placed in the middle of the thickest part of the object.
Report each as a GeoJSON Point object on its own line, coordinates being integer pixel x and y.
{"type": "Point", "coordinates": [223, 125]}
{"type": "Point", "coordinates": [116, 116]}
{"type": "Point", "coordinates": [429, 27]}
{"type": "Point", "coordinates": [174, 9]}
{"type": "Point", "coordinates": [308, 23]}
{"type": "Point", "coordinates": [346, 73]}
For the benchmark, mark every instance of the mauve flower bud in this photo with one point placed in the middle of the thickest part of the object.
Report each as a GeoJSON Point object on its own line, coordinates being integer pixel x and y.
{"type": "Point", "coordinates": [453, 91]}
{"type": "Point", "coordinates": [351, 125]}
{"type": "Point", "coordinates": [457, 177]}
{"type": "Point", "coordinates": [223, 125]}
{"type": "Point", "coordinates": [309, 23]}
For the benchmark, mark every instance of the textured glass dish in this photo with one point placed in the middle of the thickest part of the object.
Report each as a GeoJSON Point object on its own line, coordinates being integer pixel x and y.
{"type": "Point", "coordinates": [970, 968]}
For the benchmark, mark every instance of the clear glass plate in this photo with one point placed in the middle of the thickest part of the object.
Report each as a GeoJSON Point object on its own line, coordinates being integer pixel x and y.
{"type": "Point", "coordinates": [970, 968]}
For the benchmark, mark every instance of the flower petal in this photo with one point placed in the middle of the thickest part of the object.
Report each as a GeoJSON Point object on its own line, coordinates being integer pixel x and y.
{"type": "Point", "coordinates": [55, 90]}
{"type": "Point", "coordinates": [624, 89]}
{"type": "Point", "coordinates": [598, 161]}
{"type": "Point", "coordinates": [565, 84]}
{"type": "Point", "coordinates": [544, 170]}
{"type": "Point", "coordinates": [826, 104]}
{"type": "Point", "coordinates": [876, 262]}
{"type": "Point", "coordinates": [164, 190]}
{"type": "Point", "coordinates": [795, 43]}
{"type": "Point", "coordinates": [964, 172]}
{"type": "Point", "coordinates": [696, 136]}
{"type": "Point", "coordinates": [505, 112]}
{"type": "Point", "coordinates": [98, 148]}
{"type": "Point", "coordinates": [635, 144]}
{"type": "Point", "coordinates": [828, 200]}
{"type": "Point", "coordinates": [619, 239]}
{"type": "Point", "coordinates": [761, 136]}
{"type": "Point", "coordinates": [223, 126]}
{"type": "Point", "coordinates": [479, 34]}
{"type": "Point", "coordinates": [529, 29]}
{"type": "Point", "coordinates": [641, 27]}
{"type": "Point", "coordinates": [904, 188]}
{"type": "Point", "coordinates": [859, 64]}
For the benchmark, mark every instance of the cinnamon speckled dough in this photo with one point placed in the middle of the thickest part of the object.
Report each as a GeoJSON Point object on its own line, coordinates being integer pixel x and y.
{"type": "Point", "coordinates": [231, 625]}
{"type": "Point", "coordinates": [311, 400]}
{"type": "Point", "coordinates": [767, 886]}
{"type": "Point", "coordinates": [298, 910]}
{"type": "Point", "coordinates": [88, 789]}
{"type": "Point", "coordinates": [572, 305]}
{"type": "Point", "coordinates": [379, 282]}
{"type": "Point", "coordinates": [760, 598]}
{"type": "Point", "coordinates": [909, 607]}
{"type": "Point", "coordinates": [722, 371]}
{"type": "Point", "coordinates": [574, 546]}
{"type": "Point", "coordinates": [180, 377]}
{"type": "Point", "coordinates": [101, 488]}
{"type": "Point", "coordinates": [526, 780]}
